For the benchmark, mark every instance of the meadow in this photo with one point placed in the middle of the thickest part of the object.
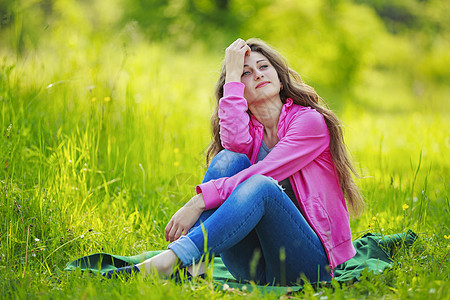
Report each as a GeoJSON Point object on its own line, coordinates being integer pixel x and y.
{"type": "Point", "coordinates": [103, 138]}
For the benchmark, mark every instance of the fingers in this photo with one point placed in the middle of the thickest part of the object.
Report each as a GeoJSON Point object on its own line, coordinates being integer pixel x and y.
{"type": "Point", "coordinates": [172, 233]}
{"type": "Point", "coordinates": [175, 233]}
{"type": "Point", "coordinates": [178, 233]}
{"type": "Point", "coordinates": [167, 229]}
{"type": "Point", "coordinates": [244, 47]}
{"type": "Point", "coordinates": [239, 45]}
{"type": "Point", "coordinates": [248, 50]}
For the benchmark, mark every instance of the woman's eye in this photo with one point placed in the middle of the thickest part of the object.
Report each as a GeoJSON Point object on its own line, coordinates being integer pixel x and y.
{"type": "Point", "coordinates": [245, 73]}
{"type": "Point", "coordinates": [263, 66]}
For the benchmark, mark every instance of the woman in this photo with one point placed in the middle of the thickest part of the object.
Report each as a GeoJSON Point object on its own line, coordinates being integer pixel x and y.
{"type": "Point", "coordinates": [272, 200]}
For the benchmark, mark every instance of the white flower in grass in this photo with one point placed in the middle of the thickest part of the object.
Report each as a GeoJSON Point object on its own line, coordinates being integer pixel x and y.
{"type": "Point", "coordinates": [37, 240]}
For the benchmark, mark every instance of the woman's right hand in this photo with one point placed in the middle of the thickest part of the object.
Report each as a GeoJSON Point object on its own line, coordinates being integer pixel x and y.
{"type": "Point", "coordinates": [184, 218]}
{"type": "Point", "coordinates": [234, 60]}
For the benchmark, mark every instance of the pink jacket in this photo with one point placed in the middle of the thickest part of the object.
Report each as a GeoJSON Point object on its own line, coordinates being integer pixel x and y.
{"type": "Point", "coordinates": [302, 154]}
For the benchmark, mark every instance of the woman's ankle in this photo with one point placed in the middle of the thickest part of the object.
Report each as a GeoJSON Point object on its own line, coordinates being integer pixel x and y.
{"type": "Point", "coordinates": [196, 269]}
{"type": "Point", "coordinates": [162, 264]}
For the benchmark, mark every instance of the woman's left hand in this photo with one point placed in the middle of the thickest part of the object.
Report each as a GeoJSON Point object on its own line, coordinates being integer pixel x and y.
{"type": "Point", "coordinates": [184, 218]}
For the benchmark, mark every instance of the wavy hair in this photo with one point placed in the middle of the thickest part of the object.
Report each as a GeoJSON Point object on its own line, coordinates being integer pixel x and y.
{"type": "Point", "coordinates": [304, 95]}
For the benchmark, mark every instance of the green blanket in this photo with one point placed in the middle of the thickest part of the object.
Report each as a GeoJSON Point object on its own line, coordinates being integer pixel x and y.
{"type": "Point", "coordinates": [372, 252]}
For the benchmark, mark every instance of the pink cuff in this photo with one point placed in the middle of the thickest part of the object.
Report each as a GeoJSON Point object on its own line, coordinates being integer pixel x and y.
{"type": "Point", "coordinates": [233, 88]}
{"type": "Point", "coordinates": [210, 194]}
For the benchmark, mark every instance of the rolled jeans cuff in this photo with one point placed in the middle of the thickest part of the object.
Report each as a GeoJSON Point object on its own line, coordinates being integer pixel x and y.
{"type": "Point", "coordinates": [186, 251]}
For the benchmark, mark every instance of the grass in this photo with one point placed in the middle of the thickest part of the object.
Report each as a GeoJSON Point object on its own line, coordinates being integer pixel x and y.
{"type": "Point", "coordinates": [101, 145]}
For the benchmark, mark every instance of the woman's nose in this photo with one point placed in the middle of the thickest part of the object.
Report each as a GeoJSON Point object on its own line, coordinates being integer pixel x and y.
{"type": "Point", "coordinates": [258, 74]}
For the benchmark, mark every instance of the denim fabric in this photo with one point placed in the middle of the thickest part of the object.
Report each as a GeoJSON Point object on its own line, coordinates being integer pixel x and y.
{"type": "Point", "coordinates": [258, 231]}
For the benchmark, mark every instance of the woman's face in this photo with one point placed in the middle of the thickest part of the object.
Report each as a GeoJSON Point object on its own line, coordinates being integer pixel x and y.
{"type": "Point", "coordinates": [260, 79]}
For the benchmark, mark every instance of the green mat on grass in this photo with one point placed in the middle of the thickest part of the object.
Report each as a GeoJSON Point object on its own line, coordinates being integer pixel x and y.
{"type": "Point", "coordinates": [372, 252]}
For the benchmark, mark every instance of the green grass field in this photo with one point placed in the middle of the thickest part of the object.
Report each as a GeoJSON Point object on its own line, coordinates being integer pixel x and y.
{"type": "Point", "coordinates": [101, 143]}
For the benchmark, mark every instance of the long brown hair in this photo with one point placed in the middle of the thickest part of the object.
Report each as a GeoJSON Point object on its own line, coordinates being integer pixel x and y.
{"type": "Point", "coordinates": [304, 95]}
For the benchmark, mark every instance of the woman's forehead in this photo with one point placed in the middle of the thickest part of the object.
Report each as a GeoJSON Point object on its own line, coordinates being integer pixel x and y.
{"type": "Point", "coordinates": [254, 57]}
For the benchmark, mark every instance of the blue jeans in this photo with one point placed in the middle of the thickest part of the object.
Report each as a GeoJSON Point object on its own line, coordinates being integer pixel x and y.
{"type": "Point", "coordinates": [259, 233]}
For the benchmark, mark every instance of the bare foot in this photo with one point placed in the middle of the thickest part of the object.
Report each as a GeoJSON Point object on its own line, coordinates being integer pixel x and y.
{"type": "Point", "coordinates": [162, 264]}
{"type": "Point", "coordinates": [196, 269]}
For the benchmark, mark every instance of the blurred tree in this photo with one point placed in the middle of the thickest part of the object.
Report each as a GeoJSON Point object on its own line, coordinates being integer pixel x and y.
{"type": "Point", "coordinates": [6, 14]}
{"type": "Point", "coordinates": [401, 16]}
{"type": "Point", "coordinates": [329, 41]}
{"type": "Point", "coordinates": [222, 4]}
{"type": "Point", "coordinates": [333, 42]}
{"type": "Point", "coordinates": [189, 21]}
{"type": "Point", "coordinates": [423, 27]}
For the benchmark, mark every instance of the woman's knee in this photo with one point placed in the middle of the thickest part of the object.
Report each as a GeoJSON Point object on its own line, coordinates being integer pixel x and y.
{"type": "Point", "coordinates": [258, 181]}
{"type": "Point", "coordinates": [227, 163]}
{"type": "Point", "coordinates": [256, 188]}
{"type": "Point", "coordinates": [231, 157]}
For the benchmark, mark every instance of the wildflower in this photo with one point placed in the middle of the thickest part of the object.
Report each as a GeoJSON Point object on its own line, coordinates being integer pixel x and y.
{"type": "Point", "coordinates": [176, 150]}
{"type": "Point", "coordinates": [107, 99]}
{"type": "Point", "coordinates": [374, 219]}
{"type": "Point", "coordinates": [37, 240]}
{"type": "Point", "coordinates": [226, 287]}
{"type": "Point", "coordinates": [371, 224]}
{"type": "Point", "coordinates": [93, 99]}
{"type": "Point", "coordinates": [82, 236]}
{"type": "Point", "coordinates": [176, 163]}
{"type": "Point", "coordinates": [405, 206]}
{"type": "Point", "coordinates": [447, 237]}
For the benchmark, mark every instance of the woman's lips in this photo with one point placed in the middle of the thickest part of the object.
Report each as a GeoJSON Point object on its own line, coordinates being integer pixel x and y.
{"type": "Point", "coordinates": [264, 83]}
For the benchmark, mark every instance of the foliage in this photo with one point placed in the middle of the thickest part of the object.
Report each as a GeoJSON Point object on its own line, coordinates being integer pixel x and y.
{"type": "Point", "coordinates": [105, 118]}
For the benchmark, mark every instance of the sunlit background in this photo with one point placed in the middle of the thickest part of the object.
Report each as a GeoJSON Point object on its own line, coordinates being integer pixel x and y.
{"type": "Point", "coordinates": [106, 104]}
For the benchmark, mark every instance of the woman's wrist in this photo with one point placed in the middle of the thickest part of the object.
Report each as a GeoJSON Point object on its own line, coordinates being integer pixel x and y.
{"type": "Point", "coordinates": [199, 202]}
{"type": "Point", "coordinates": [232, 78]}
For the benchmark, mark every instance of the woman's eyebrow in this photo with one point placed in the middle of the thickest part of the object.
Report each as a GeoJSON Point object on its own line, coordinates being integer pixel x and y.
{"type": "Point", "coordinates": [256, 62]}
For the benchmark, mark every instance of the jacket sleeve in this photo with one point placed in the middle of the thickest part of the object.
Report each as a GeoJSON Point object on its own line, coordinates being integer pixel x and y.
{"type": "Point", "coordinates": [234, 119]}
{"type": "Point", "coordinates": [306, 138]}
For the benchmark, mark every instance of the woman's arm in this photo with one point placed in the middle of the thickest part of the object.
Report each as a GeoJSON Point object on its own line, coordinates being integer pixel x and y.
{"type": "Point", "coordinates": [233, 120]}
{"type": "Point", "coordinates": [306, 138]}
{"type": "Point", "coordinates": [233, 117]}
